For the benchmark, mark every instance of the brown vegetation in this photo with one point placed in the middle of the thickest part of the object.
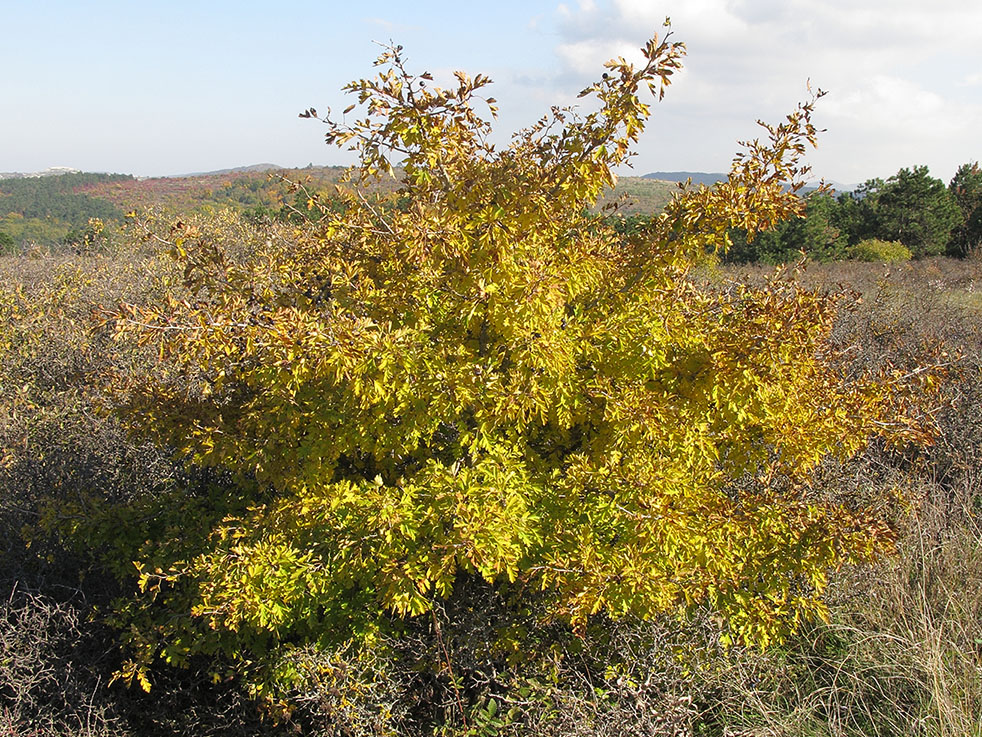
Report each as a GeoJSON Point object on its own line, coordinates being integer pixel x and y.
{"type": "Point", "coordinates": [901, 654]}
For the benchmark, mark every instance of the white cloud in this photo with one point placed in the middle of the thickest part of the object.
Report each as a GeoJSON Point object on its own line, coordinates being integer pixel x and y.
{"type": "Point", "coordinates": [586, 58]}
{"type": "Point", "coordinates": [900, 73]}
{"type": "Point", "coordinates": [885, 103]}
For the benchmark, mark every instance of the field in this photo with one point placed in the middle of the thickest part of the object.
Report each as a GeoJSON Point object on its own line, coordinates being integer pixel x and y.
{"type": "Point", "coordinates": [901, 653]}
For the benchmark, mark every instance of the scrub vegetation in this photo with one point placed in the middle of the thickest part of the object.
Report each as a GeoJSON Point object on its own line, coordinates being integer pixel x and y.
{"type": "Point", "coordinates": [462, 455]}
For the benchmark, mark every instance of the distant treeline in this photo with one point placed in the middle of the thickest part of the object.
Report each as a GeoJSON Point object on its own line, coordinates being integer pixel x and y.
{"type": "Point", "coordinates": [52, 208]}
{"type": "Point", "coordinates": [911, 211]}
{"type": "Point", "coordinates": [911, 214]}
{"type": "Point", "coordinates": [59, 196]}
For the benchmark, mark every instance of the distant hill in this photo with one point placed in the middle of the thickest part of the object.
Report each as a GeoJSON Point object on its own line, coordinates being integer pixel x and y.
{"type": "Point", "coordinates": [697, 177]}
{"type": "Point", "coordinates": [710, 178]}
{"type": "Point", "coordinates": [44, 208]}
{"type": "Point", "coordinates": [638, 195]}
{"type": "Point", "coordinates": [49, 210]}
{"type": "Point", "coordinates": [243, 188]}
{"type": "Point", "coordinates": [251, 169]}
{"type": "Point", "coordinates": [838, 187]}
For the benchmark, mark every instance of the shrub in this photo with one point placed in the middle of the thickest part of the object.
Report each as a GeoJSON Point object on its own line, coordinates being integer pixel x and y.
{"type": "Point", "coordinates": [476, 384]}
{"type": "Point", "coordinates": [874, 249]}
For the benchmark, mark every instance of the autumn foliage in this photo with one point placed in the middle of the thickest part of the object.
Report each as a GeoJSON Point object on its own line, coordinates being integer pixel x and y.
{"type": "Point", "coordinates": [477, 378]}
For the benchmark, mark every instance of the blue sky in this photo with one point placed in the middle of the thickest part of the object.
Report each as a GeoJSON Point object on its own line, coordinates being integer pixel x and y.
{"type": "Point", "coordinates": [168, 88]}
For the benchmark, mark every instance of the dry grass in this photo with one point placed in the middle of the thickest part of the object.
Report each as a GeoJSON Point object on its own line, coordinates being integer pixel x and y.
{"type": "Point", "coordinates": [902, 652]}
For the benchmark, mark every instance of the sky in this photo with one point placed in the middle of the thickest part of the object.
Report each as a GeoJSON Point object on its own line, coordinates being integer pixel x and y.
{"type": "Point", "coordinates": [157, 88]}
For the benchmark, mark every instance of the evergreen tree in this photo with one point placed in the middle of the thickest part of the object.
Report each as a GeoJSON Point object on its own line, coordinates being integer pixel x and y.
{"type": "Point", "coordinates": [814, 236]}
{"type": "Point", "coordinates": [916, 209]}
{"type": "Point", "coordinates": [855, 212]}
{"type": "Point", "coordinates": [966, 189]}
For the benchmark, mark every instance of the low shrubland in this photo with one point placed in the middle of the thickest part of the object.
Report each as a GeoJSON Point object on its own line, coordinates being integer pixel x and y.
{"type": "Point", "coordinates": [899, 654]}
{"type": "Point", "coordinates": [445, 466]}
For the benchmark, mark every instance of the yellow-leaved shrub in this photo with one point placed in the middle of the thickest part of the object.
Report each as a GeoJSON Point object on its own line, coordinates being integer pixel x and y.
{"type": "Point", "coordinates": [476, 376]}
